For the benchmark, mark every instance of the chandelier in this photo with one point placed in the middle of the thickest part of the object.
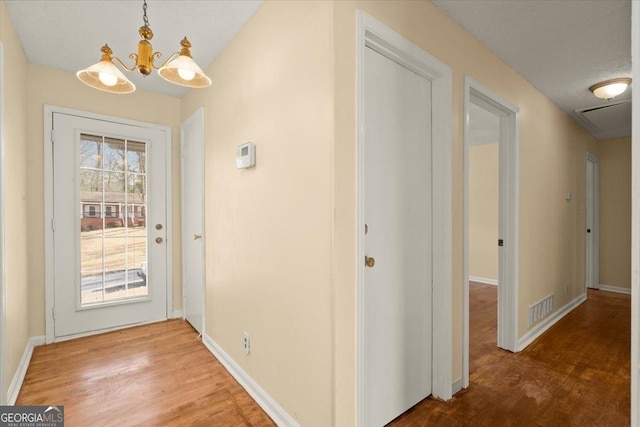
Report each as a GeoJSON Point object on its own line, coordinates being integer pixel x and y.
{"type": "Point", "coordinates": [179, 68]}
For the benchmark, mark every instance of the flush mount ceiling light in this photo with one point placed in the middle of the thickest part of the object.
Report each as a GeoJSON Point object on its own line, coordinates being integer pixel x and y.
{"type": "Point", "coordinates": [611, 88]}
{"type": "Point", "coordinates": [179, 68]}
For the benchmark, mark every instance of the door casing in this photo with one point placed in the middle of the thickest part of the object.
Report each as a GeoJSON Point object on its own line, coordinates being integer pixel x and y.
{"type": "Point", "coordinates": [375, 35]}
{"type": "Point", "coordinates": [508, 213]}
{"type": "Point", "coordinates": [196, 120]}
{"type": "Point", "coordinates": [592, 246]}
{"type": "Point", "coordinates": [3, 304]}
{"type": "Point", "coordinates": [49, 110]}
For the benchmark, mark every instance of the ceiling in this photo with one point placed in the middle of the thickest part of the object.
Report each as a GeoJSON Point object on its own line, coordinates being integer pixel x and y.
{"type": "Point", "coordinates": [561, 48]}
{"type": "Point", "coordinates": [68, 34]}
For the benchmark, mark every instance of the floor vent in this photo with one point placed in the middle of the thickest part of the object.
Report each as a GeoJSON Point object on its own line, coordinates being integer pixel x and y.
{"type": "Point", "coordinates": [539, 310]}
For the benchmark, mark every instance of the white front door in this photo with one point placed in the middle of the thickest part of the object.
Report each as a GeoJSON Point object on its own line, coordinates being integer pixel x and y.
{"type": "Point", "coordinates": [192, 133]}
{"type": "Point", "coordinates": [592, 219]}
{"type": "Point", "coordinates": [397, 211]}
{"type": "Point", "coordinates": [109, 206]}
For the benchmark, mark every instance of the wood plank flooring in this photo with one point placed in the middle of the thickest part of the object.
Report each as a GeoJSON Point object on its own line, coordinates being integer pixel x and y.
{"type": "Point", "coordinates": [152, 375]}
{"type": "Point", "coordinates": [576, 374]}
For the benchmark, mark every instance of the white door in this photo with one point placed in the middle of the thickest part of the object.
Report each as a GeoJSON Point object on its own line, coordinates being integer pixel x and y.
{"type": "Point", "coordinates": [192, 133]}
{"type": "Point", "coordinates": [397, 289]}
{"type": "Point", "coordinates": [109, 225]}
{"type": "Point", "coordinates": [592, 221]}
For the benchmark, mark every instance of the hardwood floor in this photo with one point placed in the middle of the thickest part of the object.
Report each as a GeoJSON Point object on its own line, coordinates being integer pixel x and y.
{"type": "Point", "coordinates": [576, 374]}
{"type": "Point", "coordinates": [152, 375]}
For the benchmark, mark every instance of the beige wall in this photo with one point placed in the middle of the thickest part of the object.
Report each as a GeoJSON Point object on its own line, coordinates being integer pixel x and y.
{"type": "Point", "coordinates": [615, 212]}
{"type": "Point", "coordinates": [62, 89]}
{"type": "Point", "coordinates": [268, 228]}
{"type": "Point", "coordinates": [15, 180]}
{"type": "Point", "coordinates": [552, 148]}
{"type": "Point", "coordinates": [483, 211]}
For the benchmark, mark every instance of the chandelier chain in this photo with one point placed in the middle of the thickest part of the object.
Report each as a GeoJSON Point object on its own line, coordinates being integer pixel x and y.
{"type": "Point", "coordinates": [144, 16]}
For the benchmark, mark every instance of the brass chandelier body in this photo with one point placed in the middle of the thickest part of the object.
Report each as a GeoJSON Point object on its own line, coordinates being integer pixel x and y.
{"type": "Point", "coordinates": [179, 68]}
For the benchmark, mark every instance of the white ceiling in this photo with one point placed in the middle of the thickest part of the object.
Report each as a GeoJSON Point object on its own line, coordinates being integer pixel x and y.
{"type": "Point", "coordinates": [561, 48]}
{"type": "Point", "coordinates": [68, 34]}
{"type": "Point", "coordinates": [484, 126]}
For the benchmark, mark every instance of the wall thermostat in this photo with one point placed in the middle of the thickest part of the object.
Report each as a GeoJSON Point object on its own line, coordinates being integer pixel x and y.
{"type": "Point", "coordinates": [246, 155]}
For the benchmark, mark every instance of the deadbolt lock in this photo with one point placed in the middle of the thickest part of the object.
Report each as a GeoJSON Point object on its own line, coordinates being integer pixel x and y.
{"type": "Point", "coordinates": [369, 262]}
{"type": "Point", "coordinates": [158, 226]}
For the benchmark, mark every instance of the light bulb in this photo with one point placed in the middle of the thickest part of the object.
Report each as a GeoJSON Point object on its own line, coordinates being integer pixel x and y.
{"type": "Point", "coordinates": [108, 79]}
{"type": "Point", "coordinates": [186, 74]}
{"type": "Point", "coordinates": [614, 90]}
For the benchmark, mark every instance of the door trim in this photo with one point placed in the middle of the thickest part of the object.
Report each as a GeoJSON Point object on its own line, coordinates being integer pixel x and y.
{"type": "Point", "coordinates": [3, 281]}
{"type": "Point", "coordinates": [371, 33]}
{"type": "Point", "coordinates": [595, 226]}
{"type": "Point", "coordinates": [49, 110]}
{"type": "Point", "coordinates": [508, 213]}
{"type": "Point", "coordinates": [198, 117]}
{"type": "Point", "coordinates": [635, 221]}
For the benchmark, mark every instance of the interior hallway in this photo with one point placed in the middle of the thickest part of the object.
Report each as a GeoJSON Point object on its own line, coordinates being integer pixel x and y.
{"type": "Point", "coordinates": [576, 374]}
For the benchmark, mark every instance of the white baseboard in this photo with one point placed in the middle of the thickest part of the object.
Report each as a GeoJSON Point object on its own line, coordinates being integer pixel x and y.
{"type": "Point", "coordinates": [266, 402]}
{"type": "Point", "coordinates": [542, 327]}
{"type": "Point", "coordinates": [177, 314]}
{"type": "Point", "coordinates": [18, 378]}
{"type": "Point", "coordinates": [484, 280]}
{"type": "Point", "coordinates": [456, 386]}
{"type": "Point", "coordinates": [615, 289]}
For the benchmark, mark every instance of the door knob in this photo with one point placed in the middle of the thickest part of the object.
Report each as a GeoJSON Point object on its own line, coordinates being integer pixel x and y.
{"type": "Point", "coordinates": [197, 236]}
{"type": "Point", "coordinates": [158, 239]}
{"type": "Point", "coordinates": [588, 230]}
{"type": "Point", "coordinates": [369, 262]}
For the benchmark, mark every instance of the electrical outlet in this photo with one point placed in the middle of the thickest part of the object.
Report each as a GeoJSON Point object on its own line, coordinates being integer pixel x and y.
{"type": "Point", "coordinates": [246, 342]}
{"type": "Point", "coordinates": [566, 288]}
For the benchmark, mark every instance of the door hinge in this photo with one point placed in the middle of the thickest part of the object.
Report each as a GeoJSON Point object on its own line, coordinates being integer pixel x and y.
{"type": "Point", "coordinates": [53, 224]}
{"type": "Point", "coordinates": [53, 313]}
{"type": "Point", "coordinates": [53, 136]}
{"type": "Point", "coordinates": [500, 242]}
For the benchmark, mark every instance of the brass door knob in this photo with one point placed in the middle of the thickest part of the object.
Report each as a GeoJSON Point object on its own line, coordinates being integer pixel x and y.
{"type": "Point", "coordinates": [158, 239]}
{"type": "Point", "coordinates": [369, 262]}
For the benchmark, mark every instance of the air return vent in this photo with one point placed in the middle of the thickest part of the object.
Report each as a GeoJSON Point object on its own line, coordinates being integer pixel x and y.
{"type": "Point", "coordinates": [606, 121]}
{"type": "Point", "coordinates": [539, 310]}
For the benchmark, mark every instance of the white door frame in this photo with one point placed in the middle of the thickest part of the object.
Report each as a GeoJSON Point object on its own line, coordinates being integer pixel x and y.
{"type": "Point", "coordinates": [508, 143]}
{"type": "Point", "coordinates": [635, 220]}
{"type": "Point", "coordinates": [592, 251]}
{"type": "Point", "coordinates": [373, 34]}
{"type": "Point", "coordinates": [3, 282]}
{"type": "Point", "coordinates": [48, 209]}
{"type": "Point", "coordinates": [198, 118]}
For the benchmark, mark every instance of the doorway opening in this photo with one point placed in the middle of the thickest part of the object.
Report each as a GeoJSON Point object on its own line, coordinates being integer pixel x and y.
{"type": "Point", "coordinates": [501, 119]}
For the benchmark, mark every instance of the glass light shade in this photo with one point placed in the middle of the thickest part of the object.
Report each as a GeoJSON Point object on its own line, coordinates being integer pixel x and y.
{"type": "Point", "coordinates": [106, 77]}
{"type": "Point", "coordinates": [180, 69]}
{"type": "Point", "coordinates": [611, 88]}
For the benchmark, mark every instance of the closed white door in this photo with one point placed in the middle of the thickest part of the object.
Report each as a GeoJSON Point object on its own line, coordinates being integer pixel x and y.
{"type": "Point", "coordinates": [192, 132]}
{"type": "Point", "coordinates": [397, 289]}
{"type": "Point", "coordinates": [109, 225]}
{"type": "Point", "coordinates": [592, 222]}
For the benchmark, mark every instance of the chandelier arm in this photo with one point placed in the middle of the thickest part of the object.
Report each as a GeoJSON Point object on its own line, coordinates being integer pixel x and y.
{"type": "Point", "coordinates": [169, 59]}
{"type": "Point", "coordinates": [122, 63]}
